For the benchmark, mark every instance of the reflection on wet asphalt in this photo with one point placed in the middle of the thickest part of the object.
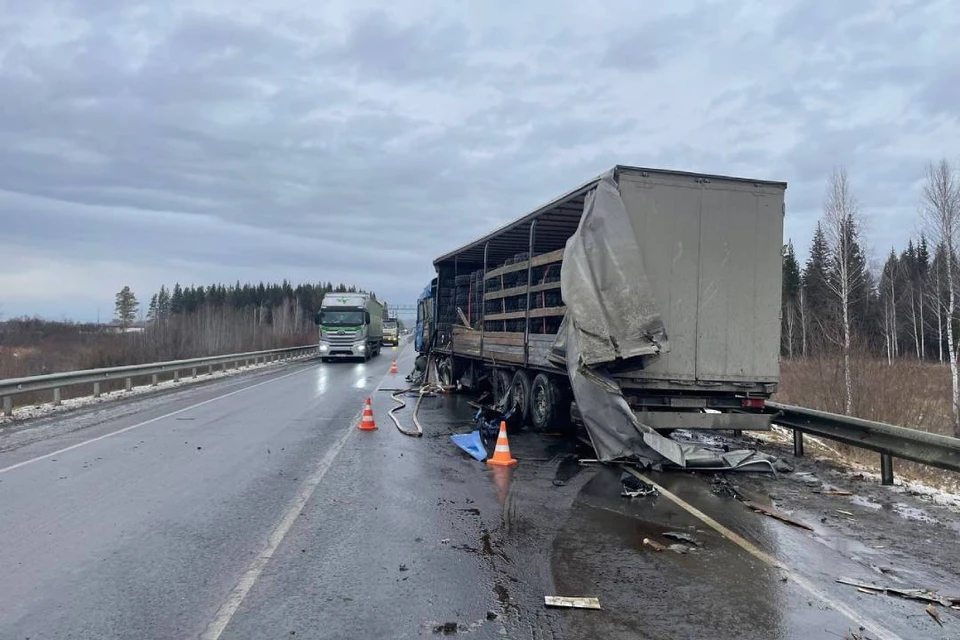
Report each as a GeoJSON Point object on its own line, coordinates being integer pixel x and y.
{"type": "Point", "coordinates": [410, 537]}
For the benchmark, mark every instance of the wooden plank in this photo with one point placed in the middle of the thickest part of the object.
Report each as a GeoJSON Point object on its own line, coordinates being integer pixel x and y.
{"type": "Point", "coordinates": [514, 358]}
{"type": "Point", "coordinates": [773, 513]}
{"type": "Point", "coordinates": [504, 339]}
{"type": "Point", "coordinates": [534, 313]}
{"type": "Point", "coordinates": [522, 290]}
{"type": "Point", "coordinates": [538, 261]}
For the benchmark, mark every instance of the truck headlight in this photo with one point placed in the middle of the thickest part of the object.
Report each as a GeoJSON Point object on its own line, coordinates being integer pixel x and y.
{"type": "Point", "coordinates": [361, 348]}
{"type": "Point", "coordinates": [324, 348]}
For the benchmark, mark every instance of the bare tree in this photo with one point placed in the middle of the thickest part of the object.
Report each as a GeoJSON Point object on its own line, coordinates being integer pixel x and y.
{"type": "Point", "coordinates": [842, 221]}
{"type": "Point", "coordinates": [940, 208]}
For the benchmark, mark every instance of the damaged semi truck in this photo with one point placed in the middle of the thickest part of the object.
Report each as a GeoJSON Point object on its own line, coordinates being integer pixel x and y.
{"type": "Point", "coordinates": [640, 302]}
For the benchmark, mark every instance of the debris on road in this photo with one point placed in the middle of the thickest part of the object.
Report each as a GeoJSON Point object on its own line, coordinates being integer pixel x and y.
{"type": "Point", "coordinates": [447, 628]}
{"type": "Point", "coordinates": [472, 443]}
{"type": "Point", "coordinates": [403, 567]}
{"type": "Point", "coordinates": [773, 513]}
{"type": "Point", "coordinates": [924, 595]}
{"type": "Point", "coordinates": [845, 513]}
{"type": "Point", "coordinates": [932, 612]}
{"type": "Point", "coordinates": [633, 487]}
{"type": "Point", "coordinates": [571, 603]}
{"type": "Point", "coordinates": [682, 537]}
{"type": "Point", "coordinates": [445, 541]}
{"type": "Point", "coordinates": [720, 486]}
{"type": "Point", "coordinates": [834, 492]}
{"type": "Point", "coordinates": [653, 544]}
{"type": "Point", "coordinates": [680, 548]}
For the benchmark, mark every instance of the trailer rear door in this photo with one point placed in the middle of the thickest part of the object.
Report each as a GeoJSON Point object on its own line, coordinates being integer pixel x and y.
{"type": "Point", "coordinates": [738, 310]}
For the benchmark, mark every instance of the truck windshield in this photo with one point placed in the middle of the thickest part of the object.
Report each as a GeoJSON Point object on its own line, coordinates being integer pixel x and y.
{"type": "Point", "coordinates": [332, 318]}
{"type": "Point", "coordinates": [389, 324]}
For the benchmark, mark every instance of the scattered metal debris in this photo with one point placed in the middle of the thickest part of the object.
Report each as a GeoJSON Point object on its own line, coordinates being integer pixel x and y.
{"type": "Point", "coordinates": [834, 492]}
{"type": "Point", "coordinates": [682, 537]}
{"type": "Point", "coordinates": [571, 603]}
{"type": "Point", "coordinates": [924, 595]}
{"type": "Point", "coordinates": [680, 548]}
{"type": "Point", "coordinates": [720, 486]}
{"type": "Point", "coordinates": [846, 513]}
{"type": "Point", "coordinates": [634, 487]}
{"type": "Point", "coordinates": [773, 513]}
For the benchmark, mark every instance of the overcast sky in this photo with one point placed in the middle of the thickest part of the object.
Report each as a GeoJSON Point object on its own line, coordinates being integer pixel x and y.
{"type": "Point", "coordinates": [355, 141]}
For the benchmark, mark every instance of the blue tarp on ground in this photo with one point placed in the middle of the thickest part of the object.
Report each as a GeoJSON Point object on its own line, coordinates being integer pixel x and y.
{"type": "Point", "coordinates": [472, 443]}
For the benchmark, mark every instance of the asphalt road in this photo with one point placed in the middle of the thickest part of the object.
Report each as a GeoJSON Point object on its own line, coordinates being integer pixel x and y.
{"type": "Point", "coordinates": [253, 508]}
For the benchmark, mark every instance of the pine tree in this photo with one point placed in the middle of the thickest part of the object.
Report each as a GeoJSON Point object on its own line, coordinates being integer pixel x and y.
{"type": "Point", "coordinates": [816, 294]}
{"type": "Point", "coordinates": [125, 308]}
{"type": "Point", "coordinates": [790, 298]}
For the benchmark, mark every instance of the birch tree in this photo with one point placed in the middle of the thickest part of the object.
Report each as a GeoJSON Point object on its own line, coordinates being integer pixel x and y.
{"type": "Point", "coordinates": [940, 208]}
{"type": "Point", "coordinates": [842, 223]}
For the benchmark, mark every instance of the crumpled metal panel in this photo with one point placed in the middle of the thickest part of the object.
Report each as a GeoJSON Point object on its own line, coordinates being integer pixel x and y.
{"type": "Point", "coordinates": [612, 316]}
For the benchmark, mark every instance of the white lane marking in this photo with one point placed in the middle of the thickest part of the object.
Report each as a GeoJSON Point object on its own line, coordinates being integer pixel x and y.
{"type": "Point", "coordinates": [252, 574]}
{"type": "Point", "coordinates": [144, 423]}
{"type": "Point", "coordinates": [881, 632]}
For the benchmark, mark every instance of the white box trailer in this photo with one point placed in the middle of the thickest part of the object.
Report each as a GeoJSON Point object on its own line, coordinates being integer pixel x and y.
{"type": "Point", "coordinates": [675, 278]}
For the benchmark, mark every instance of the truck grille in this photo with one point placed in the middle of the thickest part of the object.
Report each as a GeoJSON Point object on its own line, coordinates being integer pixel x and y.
{"type": "Point", "coordinates": [345, 340]}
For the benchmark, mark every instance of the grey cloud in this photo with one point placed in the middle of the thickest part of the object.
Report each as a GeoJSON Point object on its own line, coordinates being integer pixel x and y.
{"type": "Point", "coordinates": [265, 142]}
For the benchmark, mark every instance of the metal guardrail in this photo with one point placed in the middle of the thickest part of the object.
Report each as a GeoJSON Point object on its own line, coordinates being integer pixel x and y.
{"type": "Point", "coordinates": [888, 440]}
{"type": "Point", "coordinates": [55, 381]}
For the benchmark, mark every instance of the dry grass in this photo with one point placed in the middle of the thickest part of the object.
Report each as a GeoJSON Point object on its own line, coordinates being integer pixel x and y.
{"type": "Point", "coordinates": [908, 394]}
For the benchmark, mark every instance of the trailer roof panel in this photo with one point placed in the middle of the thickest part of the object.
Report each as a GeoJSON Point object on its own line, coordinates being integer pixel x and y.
{"type": "Point", "coordinates": [556, 221]}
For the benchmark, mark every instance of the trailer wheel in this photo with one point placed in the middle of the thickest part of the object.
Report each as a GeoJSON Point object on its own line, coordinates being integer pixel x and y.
{"type": "Point", "coordinates": [502, 383]}
{"type": "Point", "coordinates": [521, 394]}
{"type": "Point", "coordinates": [445, 372]}
{"type": "Point", "coordinates": [549, 407]}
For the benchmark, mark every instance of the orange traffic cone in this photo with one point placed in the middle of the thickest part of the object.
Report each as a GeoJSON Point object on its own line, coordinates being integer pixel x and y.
{"type": "Point", "coordinates": [367, 422]}
{"type": "Point", "coordinates": [501, 455]}
{"type": "Point", "coordinates": [393, 367]}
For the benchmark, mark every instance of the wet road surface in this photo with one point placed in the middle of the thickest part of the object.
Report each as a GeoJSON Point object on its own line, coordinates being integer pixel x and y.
{"type": "Point", "coordinates": [265, 514]}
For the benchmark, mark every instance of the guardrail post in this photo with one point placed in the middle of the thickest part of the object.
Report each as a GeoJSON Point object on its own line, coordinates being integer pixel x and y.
{"type": "Point", "coordinates": [798, 443]}
{"type": "Point", "coordinates": [224, 368]}
{"type": "Point", "coordinates": [96, 389]}
{"type": "Point", "coordinates": [8, 405]}
{"type": "Point", "coordinates": [176, 375]}
{"type": "Point", "coordinates": [154, 379]}
{"type": "Point", "coordinates": [886, 469]}
{"type": "Point", "coordinates": [194, 372]}
{"type": "Point", "coordinates": [128, 384]}
{"type": "Point", "coordinates": [210, 369]}
{"type": "Point", "coordinates": [56, 395]}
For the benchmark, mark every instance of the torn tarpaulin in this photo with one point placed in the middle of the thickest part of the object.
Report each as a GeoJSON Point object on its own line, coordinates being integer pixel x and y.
{"type": "Point", "coordinates": [611, 317]}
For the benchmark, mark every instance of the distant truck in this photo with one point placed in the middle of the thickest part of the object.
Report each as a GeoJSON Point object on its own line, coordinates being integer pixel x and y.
{"type": "Point", "coordinates": [669, 280]}
{"type": "Point", "coordinates": [391, 332]}
{"type": "Point", "coordinates": [351, 326]}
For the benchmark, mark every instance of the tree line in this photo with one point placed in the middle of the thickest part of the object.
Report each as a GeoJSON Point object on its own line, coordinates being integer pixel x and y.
{"type": "Point", "coordinates": [214, 319]}
{"type": "Point", "coordinates": [836, 304]}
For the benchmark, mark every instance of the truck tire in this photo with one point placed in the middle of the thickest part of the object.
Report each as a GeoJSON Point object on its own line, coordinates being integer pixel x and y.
{"type": "Point", "coordinates": [549, 405]}
{"type": "Point", "coordinates": [520, 390]}
{"type": "Point", "coordinates": [445, 372]}
{"type": "Point", "coordinates": [501, 381]}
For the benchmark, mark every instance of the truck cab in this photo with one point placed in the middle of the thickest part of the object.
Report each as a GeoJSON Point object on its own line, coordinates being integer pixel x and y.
{"type": "Point", "coordinates": [391, 332]}
{"type": "Point", "coordinates": [350, 326]}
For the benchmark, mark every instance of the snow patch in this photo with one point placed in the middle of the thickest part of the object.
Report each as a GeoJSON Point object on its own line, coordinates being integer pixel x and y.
{"type": "Point", "coordinates": [32, 412]}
